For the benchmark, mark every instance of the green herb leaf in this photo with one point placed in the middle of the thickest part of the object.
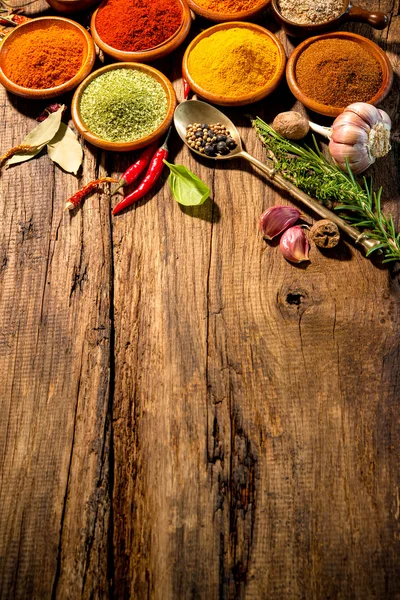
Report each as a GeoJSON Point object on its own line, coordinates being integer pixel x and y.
{"type": "Point", "coordinates": [186, 187]}
{"type": "Point", "coordinates": [65, 150]}
{"type": "Point", "coordinates": [39, 136]}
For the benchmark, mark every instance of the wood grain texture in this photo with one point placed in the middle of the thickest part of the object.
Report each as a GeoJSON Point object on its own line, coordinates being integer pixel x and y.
{"type": "Point", "coordinates": [185, 414]}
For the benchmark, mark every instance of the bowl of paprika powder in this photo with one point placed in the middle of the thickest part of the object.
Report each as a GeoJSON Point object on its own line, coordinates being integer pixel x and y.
{"type": "Point", "coordinates": [46, 57]}
{"type": "Point", "coordinates": [140, 31]}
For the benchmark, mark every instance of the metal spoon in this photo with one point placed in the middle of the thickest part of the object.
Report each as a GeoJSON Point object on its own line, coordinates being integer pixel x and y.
{"type": "Point", "coordinates": [194, 111]}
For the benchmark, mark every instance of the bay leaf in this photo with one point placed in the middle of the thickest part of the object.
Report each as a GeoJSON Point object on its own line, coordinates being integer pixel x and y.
{"type": "Point", "coordinates": [65, 150]}
{"type": "Point", "coordinates": [39, 136]}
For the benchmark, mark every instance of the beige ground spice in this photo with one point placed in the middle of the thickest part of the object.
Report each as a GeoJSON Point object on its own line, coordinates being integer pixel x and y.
{"type": "Point", "coordinates": [309, 12]}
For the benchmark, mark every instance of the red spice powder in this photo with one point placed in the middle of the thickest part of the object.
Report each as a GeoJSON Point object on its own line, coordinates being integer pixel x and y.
{"type": "Point", "coordinates": [135, 25]}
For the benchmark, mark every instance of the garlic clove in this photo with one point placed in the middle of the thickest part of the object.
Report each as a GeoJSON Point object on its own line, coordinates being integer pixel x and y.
{"type": "Point", "coordinates": [352, 119]}
{"type": "Point", "coordinates": [384, 117]}
{"type": "Point", "coordinates": [348, 133]}
{"type": "Point", "coordinates": [356, 155]}
{"type": "Point", "coordinates": [276, 219]}
{"type": "Point", "coordinates": [294, 245]}
{"type": "Point", "coordinates": [367, 112]}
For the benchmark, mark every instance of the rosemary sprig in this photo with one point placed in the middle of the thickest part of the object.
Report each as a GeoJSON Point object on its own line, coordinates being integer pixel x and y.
{"type": "Point", "coordinates": [311, 172]}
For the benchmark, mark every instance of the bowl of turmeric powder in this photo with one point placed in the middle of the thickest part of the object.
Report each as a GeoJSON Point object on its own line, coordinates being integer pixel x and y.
{"type": "Point", "coordinates": [233, 64]}
{"type": "Point", "coordinates": [46, 57]}
{"type": "Point", "coordinates": [228, 10]}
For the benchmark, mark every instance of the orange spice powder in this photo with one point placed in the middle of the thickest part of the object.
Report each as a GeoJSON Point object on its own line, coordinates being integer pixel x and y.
{"type": "Point", "coordinates": [44, 58]}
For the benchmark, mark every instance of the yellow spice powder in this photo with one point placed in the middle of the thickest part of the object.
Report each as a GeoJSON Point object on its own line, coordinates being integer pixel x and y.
{"type": "Point", "coordinates": [233, 62]}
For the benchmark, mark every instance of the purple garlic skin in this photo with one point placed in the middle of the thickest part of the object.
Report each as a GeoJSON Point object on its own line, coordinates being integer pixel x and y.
{"type": "Point", "coordinates": [294, 245]}
{"type": "Point", "coordinates": [359, 135]}
{"type": "Point", "coordinates": [276, 219]}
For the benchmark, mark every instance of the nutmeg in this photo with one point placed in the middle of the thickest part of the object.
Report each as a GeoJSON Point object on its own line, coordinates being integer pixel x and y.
{"type": "Point", "coordinates": [324, 234]}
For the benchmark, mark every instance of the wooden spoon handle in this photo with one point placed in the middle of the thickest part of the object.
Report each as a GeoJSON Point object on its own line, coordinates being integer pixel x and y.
{"type": "Point", "coordinates": [378, 20]}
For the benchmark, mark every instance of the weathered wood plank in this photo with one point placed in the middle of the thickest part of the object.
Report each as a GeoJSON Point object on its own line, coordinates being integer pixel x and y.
{"type": "Point", "coordinates": [286, 489]}
{"type": "Point", "coordinates": [55, 332]}
{"type": "Point", "coordinates": [241, 412]}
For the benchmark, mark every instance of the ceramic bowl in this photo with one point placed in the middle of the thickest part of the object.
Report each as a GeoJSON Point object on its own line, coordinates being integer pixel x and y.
{"type": "Point", "coordinates": [71, 6]}
{"type": "Point", "coordinates": [155, 53]}
{"type": "Point", "coordinates": [124, 146]}
{"type": "Point", "coordinates": [220, 17]}
{"type": "Point", "coordinates": [241, 100]}
{"type": "Point", "coordinates": [35, 25]}
{"type": "Point", "coordinates": [334, 111]}
{"type": "Point", "coordinates": [378, 20]}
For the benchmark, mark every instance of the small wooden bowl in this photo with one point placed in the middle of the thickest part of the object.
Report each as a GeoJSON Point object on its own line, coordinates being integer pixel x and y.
{"type": "Point", "coordinates": [155, 53]}
{"type": "Point", "coordinates": [240, 100]}
{"type": "Point", "coordinates": [221, 17]}
{"type": "Point", "coordinates": [376, 19]}
{"type": "Point", "coordinates": [124, 146]}
{"type": "Point", "coordinates": [35, 25]}
{"type": "Point", "coordinates": [334, 111]}
{"type": "Point", "coordinates": [71, 6]}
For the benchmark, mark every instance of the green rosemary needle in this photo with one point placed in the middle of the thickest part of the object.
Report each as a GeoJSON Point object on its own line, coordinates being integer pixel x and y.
{"type": "Point", "coordinates": [311, 172]}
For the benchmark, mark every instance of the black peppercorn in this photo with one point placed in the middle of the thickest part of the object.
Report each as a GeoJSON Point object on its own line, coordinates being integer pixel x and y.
{"type": "Point", "coordinates": [222, 148]}
{"type": "Point", "coordinates": [209, 150]}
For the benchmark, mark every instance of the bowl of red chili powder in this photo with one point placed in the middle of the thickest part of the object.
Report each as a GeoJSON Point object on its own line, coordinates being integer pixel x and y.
{"type": "Point", "coordinates": [46, 57]}
{"type": "Point", "coordinates": [140, 31]}
{"type": "Point", "coordinates": [221, 11]}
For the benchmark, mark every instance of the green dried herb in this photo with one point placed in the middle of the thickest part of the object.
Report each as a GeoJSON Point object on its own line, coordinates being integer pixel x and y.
{"type": "Point", "coordinates": [123, 105]}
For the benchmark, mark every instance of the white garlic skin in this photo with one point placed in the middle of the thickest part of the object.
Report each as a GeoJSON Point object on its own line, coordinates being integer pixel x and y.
{"type": "Point", "coordinates": [359, 135]}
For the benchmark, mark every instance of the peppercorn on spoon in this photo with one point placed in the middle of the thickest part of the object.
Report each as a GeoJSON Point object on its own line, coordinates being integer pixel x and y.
{"type": "Point", "coordinates": [194, 111]}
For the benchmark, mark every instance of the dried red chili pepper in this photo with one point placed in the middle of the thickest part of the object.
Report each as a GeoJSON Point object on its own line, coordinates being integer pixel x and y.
{"type": "Point", "coordinates": [186, 89]}
{"type": "Point", "coordinates": [134, 170]}
{"type": "Point", "coordinates": [77, 198]}
{"type": "Point", "coordinates": [48, 111]}
{"type": "Point", "coordinates": [19, 19]}
{"type": "Point", "coordinates": [152, 174]}
{"type": "Point", "coordinates": [13, 20]}
{"type": "Point", "coordinates": [22, 148]}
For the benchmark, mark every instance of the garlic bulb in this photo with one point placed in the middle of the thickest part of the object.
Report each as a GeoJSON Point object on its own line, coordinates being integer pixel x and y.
{"type": "Point", "coordinates": [358, 136]}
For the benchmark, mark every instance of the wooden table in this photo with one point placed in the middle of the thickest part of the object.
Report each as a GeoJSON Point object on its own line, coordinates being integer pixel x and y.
{"type": "Point", "coordinates": [185, 415]}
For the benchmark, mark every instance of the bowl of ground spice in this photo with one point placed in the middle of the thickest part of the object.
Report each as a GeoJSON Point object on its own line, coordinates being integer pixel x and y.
{"type": "Point", "coordinates": [123, 106]}
{"type": "Point", "coordinates": [235, 63]}
{"type": "Point", "coordinates": [228, 10]}
{"type": "Point", "coordinates": [329, 72]}
{"type": "Point", "coordinates": [46, 57]}
{"type": "Point", "coordinates": [310, 17]}
{"type": "Point", "coordinates": [140, 31]}
{"type": "Point", "coordinates": [71, 6]}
